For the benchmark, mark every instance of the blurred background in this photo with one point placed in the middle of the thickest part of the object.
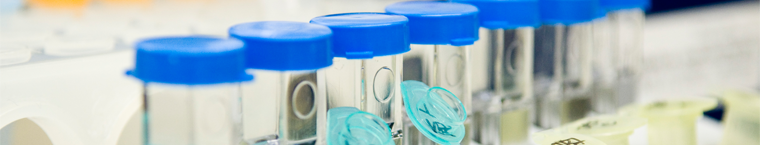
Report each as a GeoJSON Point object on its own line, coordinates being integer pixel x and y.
{"type": "Point", "coordinates": [67, 57]}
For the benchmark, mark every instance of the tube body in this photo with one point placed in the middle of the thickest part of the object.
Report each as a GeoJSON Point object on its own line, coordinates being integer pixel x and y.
{"type": "Point", "coordinates": [413, 136]}
{"type": "Point", "coordinates": [449, 68]}
{"type": "Point", "coordinates": [505, 123]}
{"type": "Point", "coordinates": [372, 85]}
{"type": "Point", "coordinates": [618, 59]}
{"type": "Point", "coordinates": [673, 130]}
{"type": "Point", "coordinates": [298, 99]}
{"type": "Point", "coordinates": [508, 56]}
{"type": "Point", "coordinates": [742, 119]}
{"type": "Point", "coordinates": [502, 80]}
{"type": "Point", "coordinates": [741, 126]}
{"type": "Point", "coordinates": [562, 73]}
{"type": "Point", "coordinates": [192, 114]}
{"type": "Point", "coordinates": [414, 70]}
{"type": "Point", "coordinates": [444, 66]}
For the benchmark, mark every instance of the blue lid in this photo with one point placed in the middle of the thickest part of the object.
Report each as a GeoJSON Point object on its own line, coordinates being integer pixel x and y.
{"type": "Point", "coordinates": [506, 14]}
{"type": "Point", "coordinates": [435, 112]}
{"type": "Point", "coordinates": [568, 12]}
{"type": "Point", "coordinates": [190, 60]}
{"type": "Point", "coordinates": [601, 14]}
{"type": "Point", "coordinates": [612, 5]}
{"type": "Point", "coordinates": [348, 125]}
{"type": "Point", "coordinates": [285, 46]}
{"type": "Point", "coordinates": [365, 35]}
{"type": "Point", "coordinates": [439, 22]}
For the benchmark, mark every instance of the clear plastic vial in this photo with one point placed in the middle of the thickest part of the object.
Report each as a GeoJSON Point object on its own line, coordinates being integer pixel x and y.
{"type": "Point", "coordinates": [192, 90]}
{"type": "Point", "coordinates": [742, 119]}
{"type": "Point", "coordinates": [562, 61]}
{"type": "Point", "coordinates": [510, 62]}
{"type": "Point", "coordinates": [289, 114]}
{"type": "Point", "coordinates": [442, 33]}
{"type": "Point", "coordinates": [618, 64]}
{"type": "Point", "coordinates": [287, 105]}
{"type": "Point", "coordinates": [503, 122]}
{"type": "Point", "coordinates": [502, 66]}
{"type": "Point", "coordinates": [435, 113]}
{"type": "Point", "coordinates": [367, 72]}
{"type": "Point", "coordinates": [671, 122]}
{"type": "Point", "coordinates": [603, 66]}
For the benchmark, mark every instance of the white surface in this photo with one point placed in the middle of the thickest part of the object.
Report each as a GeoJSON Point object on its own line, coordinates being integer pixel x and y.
{"type": "Point", "coordinates": [709, 132]}
{"type": "Point", "coordinates": [701, 51]}
{"type": "Point", "coordinates": [78, 101]}
{"type": "Point", "coordinates": [14, 54]}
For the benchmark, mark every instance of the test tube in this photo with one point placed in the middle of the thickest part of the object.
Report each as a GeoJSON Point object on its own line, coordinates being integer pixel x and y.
{"type": "Point", "coordinates": [671, 122]}
{"type": "Point", "coordinates": [608, 129]}
{"type": "Point", "coordinates": [553, 137]}
{"type": "Point", "coordinates": [287, 104]}
{"type": "Point", "coordinates": [366, 73]}
{"type": "Point", "coordinates": [191, 89]}
{"type": "Point", "coordinates": [348, 125]}
{"type": "Point", "coordinates": [562, 61]}
{"type": "Point", "coordinates": [603, 67]}
{"type": "Point", "coordinates": [442, 32]}
{"type": "Point", "coordinates": [433, 112]}
{"type": "Point", "coordinates": [623, 54]}
{"type": "Point", "coordinates": [742, 118]}
{"type": "Point", "coordinates": [504, 74]}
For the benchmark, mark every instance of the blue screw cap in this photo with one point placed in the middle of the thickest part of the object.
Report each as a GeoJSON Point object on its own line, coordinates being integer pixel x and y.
{"type": "Point", "coordinates": [601, 14]}
{"type": "Point", "coordinates": [348, 125]}
{"type": "Point", "coordinates": [285, 46]}
{"type": "Point", "coordinates": [436, 112]}
{"type": "Point", "coordinates": [568, 12]}
{"type": "Point", "coordinates": [612, 5]}
{"type": "Point", "coordinates": [366, 35]}
{"type": "Point", "coordinates": [190, 60]}
{"type": "Point", "coordinates": [439, 23]}
{"type": "Point", "coordinates": [506, 14]}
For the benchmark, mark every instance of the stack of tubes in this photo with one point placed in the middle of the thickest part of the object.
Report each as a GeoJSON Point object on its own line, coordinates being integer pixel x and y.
{"type": "Point", "coordinates": [460, 72]}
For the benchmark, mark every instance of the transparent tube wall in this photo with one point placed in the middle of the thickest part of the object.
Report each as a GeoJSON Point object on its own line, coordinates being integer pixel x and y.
{"type": "Point", "coordinates": [504, 118]}
{"type": "Point", "coordinates": [742, 120]}
{"type": "Point", "coordinates": [445, 66]}
{"type": "Point", "coordinates": [372, 85]}
{"type": "Point", "coordinates": [449, 69]}
{"type": "Point", "coordinates": [627, 28]}
{"type": "Point", "coordinates": [619, 60]}
{"type": "Point", "coordinates": [673, 130]}
{"type": "Point", "coordinates": [604, 69]}
{"type": "Point", "coordinates": [510, 62]}
{"type": "Point", "coordinates": [414, 70]}
{"type": "Point", "coordinates": [562, 73]}
{"type": "Point", "coordinates": [298, 113]}
{"type": "Point", "coordinates": [412, 136]}
{"type": "Point", "coordinates": [192, 114]}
